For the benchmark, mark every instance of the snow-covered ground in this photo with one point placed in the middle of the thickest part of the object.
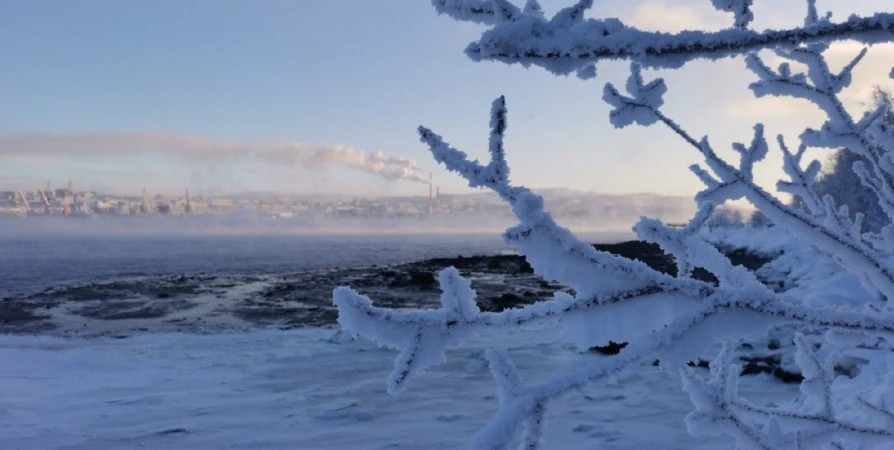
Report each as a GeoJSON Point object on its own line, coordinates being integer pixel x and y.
{"type": "Point", "coordinates": [303, 390]}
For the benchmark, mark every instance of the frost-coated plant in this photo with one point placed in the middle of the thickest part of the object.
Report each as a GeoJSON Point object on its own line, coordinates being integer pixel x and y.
{"type": "Point", "coordinates": [840, 181]}
{"type": "Point", "coordinates": [611, 293]}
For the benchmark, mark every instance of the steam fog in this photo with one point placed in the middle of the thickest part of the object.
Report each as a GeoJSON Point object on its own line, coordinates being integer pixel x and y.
{"type": "Point", "coordinates": [209, 152]}
{"type": "Point", "coordinates": [581, 212]}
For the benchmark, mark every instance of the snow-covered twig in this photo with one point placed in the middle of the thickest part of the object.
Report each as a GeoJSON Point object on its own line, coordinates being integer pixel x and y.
{"type": "Point", "coordinates": [553, 251]}
{"type": "Point", "coordinates": [835, 236]}
{"type": "Point", "coordinates": [720, 411]}
{"type": "Point", "coordinates": [841, 130]}
{"type": "Point", "coordinates": [568, 42]}
{"type": "Point", "coordinates": [801, 184]}
{"type": "Point", "coordinates": [423, 337]}
{"type": "Point", "coordinates": [611, 292]}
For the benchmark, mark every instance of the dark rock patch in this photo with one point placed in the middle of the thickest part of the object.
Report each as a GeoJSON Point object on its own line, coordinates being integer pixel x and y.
{"type": "Point", "coordinates": [612, 348]}
{"type": "Point", "coordinates": [650, 254]}
{"type": "Point", "coordinates": [423, 279]}
{"type": "Point", "coordinates": [300, 299]}
{"type": "Point", "coordinates": [701, 363]}
{"type": "Point", "coordinates": [504, 301]}
{"type": "Point", "coordinates": [757, 364]}
{"type": "Point", "coordinates": [654, 257]}
{"type": "Point", "coordinates": [13, 312]}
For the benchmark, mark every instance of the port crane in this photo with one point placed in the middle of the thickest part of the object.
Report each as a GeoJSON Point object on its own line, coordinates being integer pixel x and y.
{"type": "Point", "coordinates": [46, 201]}
{"type": "Point", "coordinates": [22, 196]}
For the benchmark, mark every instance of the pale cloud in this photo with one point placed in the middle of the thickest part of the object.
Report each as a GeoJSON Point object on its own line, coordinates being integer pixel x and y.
{"type": "Point", "coordinates": [671, 17]}
{"type": "Point", "coordinates": [872, 71]}
{"type": "Point", "coordinates": [766, 108]}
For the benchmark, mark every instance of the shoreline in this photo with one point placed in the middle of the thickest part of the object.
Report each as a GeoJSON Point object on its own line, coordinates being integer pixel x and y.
{"type": "Point", "coordinates": [198, 303]}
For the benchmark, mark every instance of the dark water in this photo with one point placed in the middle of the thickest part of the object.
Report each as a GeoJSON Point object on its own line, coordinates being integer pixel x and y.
{"type": "Point", "coordinates": [29, 264]}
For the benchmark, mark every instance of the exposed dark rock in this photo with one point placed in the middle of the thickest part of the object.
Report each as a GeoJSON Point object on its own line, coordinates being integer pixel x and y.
{"type": "Point", "coordinates": [15, 313]}
{"type": "Point", "coordinates": [648, 253]}
{"type": "Point", "coordinates": [505, 301]}
{"type": "Point", "coordinates": [700, 363]}
{"type": "Point", "coordinates": [304, 298]}
{"type": "Point", "coordinates": [426, 279]}
{"type": "Point", "coordinates": [786, 376]}
{"type": "Point", "coordinates": [612, 348]}
{"type": "Point", "coordinates": [653, 256]}
{"type": "Point", "coordinates": [750, 260]}
{"type": "Point", "coordinates": [849, 366]}
{"type": "Point", "coordinates": [757, 364]}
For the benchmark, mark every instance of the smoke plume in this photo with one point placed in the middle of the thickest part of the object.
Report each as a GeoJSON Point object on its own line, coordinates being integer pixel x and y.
{"type": "Point", "coordinates": [194, 149]}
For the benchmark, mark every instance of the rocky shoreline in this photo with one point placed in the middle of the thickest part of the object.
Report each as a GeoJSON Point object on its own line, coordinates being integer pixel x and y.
{"type": "Point", "coordinates": [204, 302]}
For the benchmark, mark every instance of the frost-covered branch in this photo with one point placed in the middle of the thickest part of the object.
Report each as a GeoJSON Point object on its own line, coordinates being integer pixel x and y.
{"type": "Point", "coordinates": [423, 337]}
{"type": "Point", "coordinates": [801, 184]}
{"type": "Point", "coordinates": [741, 10]}
{"type": "Point", "coordinates": [691, 311]}
{"type": "Point", "coordinates": [821, 87]}
{"type": "Point", "coordinates": [690, 250]}
{"type": "Point", "coordinates": [836, 235]}
{"type": "Point", "coordinates": [553, 251]}
{"type": "Point", "coordinates": [568, 42]}
{"type": "Point", "coordinates": [612, 293]}
{"type": "Point", "coordinates": [720, 411]}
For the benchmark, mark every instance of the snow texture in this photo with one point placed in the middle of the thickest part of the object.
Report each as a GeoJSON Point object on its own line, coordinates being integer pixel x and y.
{"type": "Point", "coordinates": [307, 389]}
{"type": "Point", "coordinates": [673, 318]}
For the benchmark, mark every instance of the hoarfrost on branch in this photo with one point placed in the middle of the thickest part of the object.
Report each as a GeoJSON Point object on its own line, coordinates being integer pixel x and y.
{"type": "Point", "coordinates": [611, 292]}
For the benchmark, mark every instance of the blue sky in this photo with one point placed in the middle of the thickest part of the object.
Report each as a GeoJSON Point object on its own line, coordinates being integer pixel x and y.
{"type": "Point", "coordinates": [358, 73]}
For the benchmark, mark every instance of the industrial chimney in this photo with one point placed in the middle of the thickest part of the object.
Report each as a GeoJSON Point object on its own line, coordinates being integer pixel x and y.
{"type": "Point", "coordinates": [189, 209]}
{"type": "Point", "coordinates": [430, 198]}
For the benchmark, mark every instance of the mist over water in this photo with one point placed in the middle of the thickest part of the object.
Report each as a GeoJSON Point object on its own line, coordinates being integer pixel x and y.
{"type": "Point", "coordinates": [249, 224]}
{"type": "Point", "coordinates": [44, 252]}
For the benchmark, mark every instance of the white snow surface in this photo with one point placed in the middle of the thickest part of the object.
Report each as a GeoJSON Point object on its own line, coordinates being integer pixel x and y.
{"type": "Point", "coordinates": [273, 389]}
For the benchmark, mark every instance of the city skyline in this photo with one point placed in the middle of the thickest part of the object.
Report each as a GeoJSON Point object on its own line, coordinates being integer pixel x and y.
{"type": "Point", "coordinates": [326, 75]}
{"type": "Point", "coordinates": [68, 209]}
